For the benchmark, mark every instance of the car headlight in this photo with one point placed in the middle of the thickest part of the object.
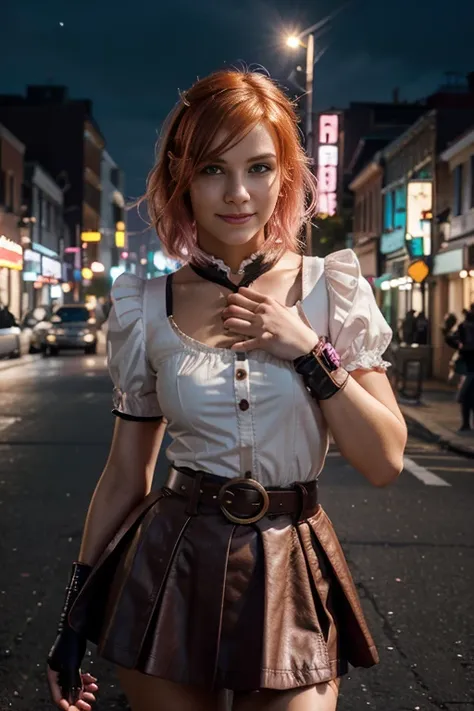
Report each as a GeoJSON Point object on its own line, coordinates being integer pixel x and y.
{"type": "Point", "coordinates": [51, 338]}
{"type": "Point", "coordinates": [89, 338]}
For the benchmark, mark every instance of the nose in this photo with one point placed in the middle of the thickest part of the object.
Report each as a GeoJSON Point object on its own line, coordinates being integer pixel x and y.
{"type": "Point", "coordinates": [236, 191]}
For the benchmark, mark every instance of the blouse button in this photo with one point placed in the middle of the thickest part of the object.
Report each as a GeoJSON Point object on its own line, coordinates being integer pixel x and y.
{"type": "Point", "coordinates": [244, 405]}
{"type": "Point", "coordinates": [240, 374]}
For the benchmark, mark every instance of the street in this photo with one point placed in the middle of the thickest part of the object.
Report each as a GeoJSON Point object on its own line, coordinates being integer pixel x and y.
{"type": "Point", "coordinates": [410, 546]}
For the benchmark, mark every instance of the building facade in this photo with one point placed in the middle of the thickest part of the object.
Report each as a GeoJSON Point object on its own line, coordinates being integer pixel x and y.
{"type": "Point", "coordinates": [407, 198]}
{"type": "Point", "coordinates": [112, 219]}
{"type": "Point", "coordinates": [338, 138]}
{"type": "Point", "coordinates": [61, 135]}
{"type": "Point", "coordinates": [11, 251]}
{"type": "Point", "coordinates": [454, 263]}
{"type": "Point", "coordinates": [367, 221]}
{"type": "Point", "coordinates": [43, 238]}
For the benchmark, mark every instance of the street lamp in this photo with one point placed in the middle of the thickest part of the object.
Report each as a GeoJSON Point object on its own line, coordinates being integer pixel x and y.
{"type": "Point", "coordinates": [306, 39]}
{"type": "Point", "coordinates": [295, 41]}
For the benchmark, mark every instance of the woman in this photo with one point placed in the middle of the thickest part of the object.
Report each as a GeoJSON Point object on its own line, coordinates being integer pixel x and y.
{"type": "Point", "coordinates": [231, 576]}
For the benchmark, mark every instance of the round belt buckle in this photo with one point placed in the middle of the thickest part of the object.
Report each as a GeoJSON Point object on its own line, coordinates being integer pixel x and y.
{"type": "Point", "coordinates": [225, 491]}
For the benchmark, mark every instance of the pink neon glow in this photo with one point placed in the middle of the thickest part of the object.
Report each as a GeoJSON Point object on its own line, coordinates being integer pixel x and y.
{"type": "Point", "coordinates": [327, 178]}
{"type": "Point", "coordinates": [329, 128]}
{"type": "Point", "coordinates": [327, 204]}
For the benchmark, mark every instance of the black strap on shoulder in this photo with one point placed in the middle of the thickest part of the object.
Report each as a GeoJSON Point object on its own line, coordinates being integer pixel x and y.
{"type": "Point", "coordinates": [169, 295]}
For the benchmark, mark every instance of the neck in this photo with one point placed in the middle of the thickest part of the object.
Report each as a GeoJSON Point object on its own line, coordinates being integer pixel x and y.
{"type": "Point", "coordinates": [231, 255]}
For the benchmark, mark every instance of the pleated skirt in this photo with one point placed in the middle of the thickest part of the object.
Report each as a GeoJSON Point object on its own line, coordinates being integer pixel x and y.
{"type": "Point", "coordinates": [200, 600]}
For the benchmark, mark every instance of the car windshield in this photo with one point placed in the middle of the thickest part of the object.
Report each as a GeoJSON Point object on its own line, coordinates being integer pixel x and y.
{"type": "Point", "coordinates": [69, 315]}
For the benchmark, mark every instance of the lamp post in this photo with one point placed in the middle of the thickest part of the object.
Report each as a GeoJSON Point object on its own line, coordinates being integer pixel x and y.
{"type": "Point", "coordinates": [295, 41]}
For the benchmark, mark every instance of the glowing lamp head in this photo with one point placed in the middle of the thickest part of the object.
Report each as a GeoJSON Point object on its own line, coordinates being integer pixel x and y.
{"type": "Point", "coordinates": [293, 41]}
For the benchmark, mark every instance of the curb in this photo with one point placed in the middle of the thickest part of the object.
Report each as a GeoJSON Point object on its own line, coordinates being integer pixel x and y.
{"type": "Point", "coordinates": [15, 362]}
{"type": "Point", "coordinates": [424, 432]}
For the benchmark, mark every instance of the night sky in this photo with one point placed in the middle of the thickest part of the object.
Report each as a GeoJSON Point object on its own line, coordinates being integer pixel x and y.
{"type": "Point", "coordinates": [130, 58]}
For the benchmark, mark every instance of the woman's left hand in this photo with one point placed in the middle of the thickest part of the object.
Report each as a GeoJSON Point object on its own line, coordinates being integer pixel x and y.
{"type": "Point", "coordinates": [268, 325]}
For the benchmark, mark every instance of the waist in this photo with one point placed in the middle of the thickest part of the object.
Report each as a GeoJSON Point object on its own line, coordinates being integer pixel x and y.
{"type": "Point", "coordinates": [241, 500]}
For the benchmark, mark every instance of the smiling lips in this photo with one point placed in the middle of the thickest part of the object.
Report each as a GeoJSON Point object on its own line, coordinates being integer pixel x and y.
{"type": "Point", "coordinates": [237, 219]}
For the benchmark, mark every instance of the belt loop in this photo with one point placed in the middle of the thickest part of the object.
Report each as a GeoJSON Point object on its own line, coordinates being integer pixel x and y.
{"type": "Point", "coordinates": [192, 503]}
{"type": "Point", "coordinates": [303, 492]}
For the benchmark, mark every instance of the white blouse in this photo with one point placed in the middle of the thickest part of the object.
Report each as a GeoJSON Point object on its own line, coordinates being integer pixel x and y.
{"type": "Point", "coordinates": [231, 413]}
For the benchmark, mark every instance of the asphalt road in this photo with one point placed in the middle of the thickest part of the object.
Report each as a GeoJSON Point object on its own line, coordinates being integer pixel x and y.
{"type": "Point", "coordinates": [410, 546]}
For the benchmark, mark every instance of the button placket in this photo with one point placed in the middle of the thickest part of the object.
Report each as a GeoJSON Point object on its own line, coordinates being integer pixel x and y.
{"type": "Point", "coordinates": [244, 416]}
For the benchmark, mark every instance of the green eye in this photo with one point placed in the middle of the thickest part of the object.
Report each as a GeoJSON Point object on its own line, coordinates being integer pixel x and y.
{"type": "Point", "coordinates": [211, 170]}
{"type": "Point", "coordinates": [260, 168]}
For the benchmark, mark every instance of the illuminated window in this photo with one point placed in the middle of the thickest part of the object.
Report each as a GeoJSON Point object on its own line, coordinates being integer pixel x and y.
{"type": "Point", "coordinates": [400, 207]}
{"type": "Point", "coordinates": [388, 201]}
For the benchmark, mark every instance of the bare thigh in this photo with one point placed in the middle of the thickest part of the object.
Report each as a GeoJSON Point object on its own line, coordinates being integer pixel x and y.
{"type": "Point", "coordinates": [321, 697]}
{"type": "Point", "coordinates": [148, 693]}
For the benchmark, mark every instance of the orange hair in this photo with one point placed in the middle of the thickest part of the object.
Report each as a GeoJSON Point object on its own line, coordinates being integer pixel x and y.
{"type": "Point", "coordinates": [235, 101]}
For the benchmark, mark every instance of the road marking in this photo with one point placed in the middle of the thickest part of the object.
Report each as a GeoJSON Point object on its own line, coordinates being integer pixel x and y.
{"type": "Point", "coordinates": [423, 474]}
{"type": "Point", "coordinates": [7, 421]}
{"type": "Point", "coordinates": [434, 455]}
{"type": "Point", "coordinates": [453, 469]}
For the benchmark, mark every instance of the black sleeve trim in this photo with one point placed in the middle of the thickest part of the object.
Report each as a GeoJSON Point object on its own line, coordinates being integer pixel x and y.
{"type": "Point", "coordinates": [134, 418]}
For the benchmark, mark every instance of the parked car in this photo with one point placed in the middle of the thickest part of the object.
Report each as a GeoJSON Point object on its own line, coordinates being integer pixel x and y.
{"type": "Point", "coordinates": [35, 325]}
{"type": "Point", "coordinates": [10, 346]}
{"type": "Point", "coordinates": [71, 327]}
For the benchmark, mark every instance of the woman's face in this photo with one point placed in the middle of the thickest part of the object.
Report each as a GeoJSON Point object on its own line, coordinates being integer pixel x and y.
{"type": "Point", "coordinates": [233, 197]}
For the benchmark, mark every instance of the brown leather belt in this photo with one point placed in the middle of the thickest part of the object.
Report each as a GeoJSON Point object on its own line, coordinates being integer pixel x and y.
{"type": "Point", "coordinates": [242, 500]}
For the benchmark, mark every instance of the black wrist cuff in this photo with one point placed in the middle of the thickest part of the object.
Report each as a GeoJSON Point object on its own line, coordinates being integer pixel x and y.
{"type": "Point", "coordinates": [79, 574]}
{"type": "Point", "coordinates": [321, 382]}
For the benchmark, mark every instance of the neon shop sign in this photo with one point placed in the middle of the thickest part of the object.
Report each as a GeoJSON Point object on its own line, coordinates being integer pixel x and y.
{"type": "Point", "coordinates": [328, 161]}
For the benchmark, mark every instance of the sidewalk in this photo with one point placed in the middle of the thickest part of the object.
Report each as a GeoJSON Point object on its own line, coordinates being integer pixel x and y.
{"type": "Point", "coordinates": [438, 418]}
{"type": "Point", "coordinates": [15, 362]}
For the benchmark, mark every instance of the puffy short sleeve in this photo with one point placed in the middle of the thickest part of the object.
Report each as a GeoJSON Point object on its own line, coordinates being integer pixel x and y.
{"type": "Point", "coordinates": [135, 395]}
{"type": "Point", "coordinates": [357, 328]}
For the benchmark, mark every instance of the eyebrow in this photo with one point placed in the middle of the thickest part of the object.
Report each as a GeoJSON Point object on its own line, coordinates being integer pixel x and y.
{"type": "Point", "coordinates": [262, 156]}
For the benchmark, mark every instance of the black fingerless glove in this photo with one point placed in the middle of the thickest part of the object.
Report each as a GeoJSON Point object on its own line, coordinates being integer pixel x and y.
{"type": "Point", "coordinates": [69, 647]}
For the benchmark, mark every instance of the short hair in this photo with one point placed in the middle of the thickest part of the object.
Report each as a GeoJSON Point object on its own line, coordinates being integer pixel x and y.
{"type": "Point", "coordinates": [235, 101]}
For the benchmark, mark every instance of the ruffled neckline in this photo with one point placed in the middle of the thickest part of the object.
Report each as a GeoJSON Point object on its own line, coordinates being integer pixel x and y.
{"type": "Point", "coordinates": [222, 266]}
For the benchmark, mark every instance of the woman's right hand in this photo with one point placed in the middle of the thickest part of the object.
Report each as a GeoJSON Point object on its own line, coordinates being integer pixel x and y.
{"type": "Point", "coordinates": [83, 699]}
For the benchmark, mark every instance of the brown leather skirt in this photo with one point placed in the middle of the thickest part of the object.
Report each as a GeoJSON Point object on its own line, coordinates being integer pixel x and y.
{"type": "Point", "coordinates": [196, 598]}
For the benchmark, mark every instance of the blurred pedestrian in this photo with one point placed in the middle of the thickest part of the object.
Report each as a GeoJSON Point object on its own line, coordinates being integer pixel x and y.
{"type": "Point", "coordinates": [7, 319]}
{"type": "Point", "coordinates": [231, 576]}
{"type": "Point", "coordinates": [408, 327]}
{"type": "Point", "coordinates": [457, 367]}
{"type": "Point", "coordinates": [466, 356]}
{"type": "Point", "coordinates": [420, 329]}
